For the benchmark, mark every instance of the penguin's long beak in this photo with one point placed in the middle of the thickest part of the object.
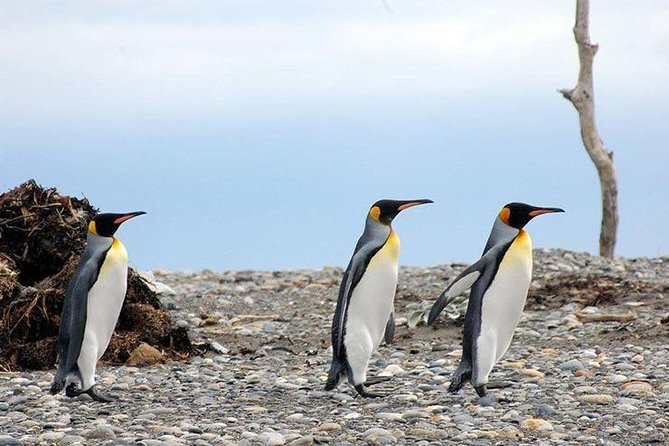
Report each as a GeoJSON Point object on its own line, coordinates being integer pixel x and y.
{"type": "Point", "coordinates": [541, 211]}
{"type": "Point", "coordinates": [411, 203]}
{"type": "Point", "coordinates": [128, 216]}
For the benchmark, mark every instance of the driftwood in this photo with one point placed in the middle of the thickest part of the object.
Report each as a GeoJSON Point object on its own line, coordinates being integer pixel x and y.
{"type": "Point", "coordinates": [582, 98]}
{"type": "Point", "coordinates": [607, 317]}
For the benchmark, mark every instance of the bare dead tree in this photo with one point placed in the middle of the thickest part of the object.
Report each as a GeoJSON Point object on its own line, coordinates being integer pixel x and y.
{"type": "Point", "coordinates": [583, 99]}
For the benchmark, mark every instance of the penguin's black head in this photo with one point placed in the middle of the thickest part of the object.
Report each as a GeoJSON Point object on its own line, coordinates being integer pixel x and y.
{"type": "Point", "coordinates": [105, 225]}
{"type": "Point", "coordinates": [384, 211]}
{"type": "Point", "coordinates": [517, 215]}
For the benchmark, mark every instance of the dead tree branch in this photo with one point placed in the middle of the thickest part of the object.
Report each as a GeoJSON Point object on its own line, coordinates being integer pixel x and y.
{"type": "Point", "coordinates": [583, 99]}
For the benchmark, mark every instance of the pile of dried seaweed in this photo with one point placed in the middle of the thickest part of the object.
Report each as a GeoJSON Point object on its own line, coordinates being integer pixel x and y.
{"type": "Point", "coordinates": [587, 289]}
{"type": "Point", "coordinates": [42, 234]}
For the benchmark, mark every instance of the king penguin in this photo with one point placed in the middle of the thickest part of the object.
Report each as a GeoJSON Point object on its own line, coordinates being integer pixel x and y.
{"type": "Point", "coordinates": [364, 314]}
{"type": "Point", "coordinates": [499, 283]}
{"type": "Point", "coordinates": [92, 305]}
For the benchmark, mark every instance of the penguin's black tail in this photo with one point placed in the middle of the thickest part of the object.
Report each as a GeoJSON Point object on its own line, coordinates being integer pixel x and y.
{"type": "Point", "coordinates": [337, 370]}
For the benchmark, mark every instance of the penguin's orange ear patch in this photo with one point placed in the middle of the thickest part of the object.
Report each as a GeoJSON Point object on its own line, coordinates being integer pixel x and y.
{"type": "Point", "coordinates": [375, 213]}
{"type": "Point", "coordinates": [504, 215]}
{"type": "Point", "coordinates": [92, 229]}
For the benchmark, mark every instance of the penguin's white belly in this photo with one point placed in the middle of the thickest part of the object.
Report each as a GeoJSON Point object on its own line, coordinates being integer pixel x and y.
{"type": "Point", "coordinates": [371, 304]}
{"type": "Point", "coordinates": [105, 300]}
{"type": "Point", "coordinates": [369, 308]}
{"type": "Point", "coordinates": [503, 303]}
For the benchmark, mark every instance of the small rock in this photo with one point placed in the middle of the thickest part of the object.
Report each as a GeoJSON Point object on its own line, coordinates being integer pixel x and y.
{"type": "Point", "coordinates": [389, 416]}
{"type": "Point", "coordinates": [422, 432]}
{"type": "Point", "coordinates": [52, 437]}
{"type": "Point", "coordinates": [218, 348]}
{"type": "Point", "coordinates": [378, 436]}
{"type": "Point", "coordinates": [328, 427]}
{"type": "Point", "coordinates": [509, 433]}
{"type": "Point", "coordinates": [303, 441]}
{"type": "Point", "coordinates": [271, 439]}
{"type": "Point", "coordinates": [583, 373]}
{"type": "Point", "coordinates": [571, 365]}
{"type": "Point", "coordinates": [514, 365]}
{"type": "Point", "coordinates": [100, 433]}
{"type": "Point", "coordinates": [596, 399]}
{"type": "Point", "coordinates": [144, 355]}
{"type": "Point", "coordinates": [617, 379]}
{"type": "Point", "coordinates": [415, 414]}
{"type": "Point", "coordinates": [584, 389]}
{"type": "Point", "coordinates": [392, 370]}
{"type": "Point", "coordinates": [532, 373]}
{"type": "Point", "coordinates": [637, 388]}
{"type": "Point", "coordinates": [544, 410]}
{"type": "Point", "coordinates": [536, 424]}
{"type": "Point", "coordinates": [6, 440]}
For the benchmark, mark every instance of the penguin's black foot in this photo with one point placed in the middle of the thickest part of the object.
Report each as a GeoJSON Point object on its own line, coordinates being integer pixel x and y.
{"type": "Point", "coordinates": [488, 400]}
{"type": "Point", "coordinates": [481, 390]}
{"type": "Point", "coordinates": [376, 380]}
{"type": "Point", "coordinates": [101, 398]}
{"type": "Point", "coordinates": [362, 391]}
{"type": "Point", "coordinates": [73, 392]}
{"type": "Point", "coordinates": [499, 384]}
{"type": "Point", "coordinates": [458, 380]}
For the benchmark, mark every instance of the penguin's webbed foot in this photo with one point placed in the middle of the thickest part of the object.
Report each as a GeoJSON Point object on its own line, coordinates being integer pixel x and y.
{"type": "Point", "coordinates": [481, 390]}
{"type": "Point", "coordinates": [101, 398]}
{"type": "Point", "coordinates": [73, 392]}
{"type": "Point", "coordinates": [459, 379]}
{"type": "Point", "coordinates": [362, 391]}
{"type": "Point", "coordinates": [499, 384]}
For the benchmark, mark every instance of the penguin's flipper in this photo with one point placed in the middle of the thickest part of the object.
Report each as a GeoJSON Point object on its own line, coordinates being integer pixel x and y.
{"type": "Point", "coordinates": [466, 280]}
{"type": "Point", "coordinates": [364, 251]}
{"type": "Point", "coordinates": [73, 321]}
{"type": "Point", "coordinates": [389, 334]}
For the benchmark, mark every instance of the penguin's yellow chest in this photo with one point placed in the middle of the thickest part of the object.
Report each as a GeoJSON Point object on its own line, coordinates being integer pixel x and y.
{"type": "Point", "coordinates": [389, 254]}
{"type": "Point", "coordinates": [520, 251]}
{"type": "Point", "coordinates": [116, 256]}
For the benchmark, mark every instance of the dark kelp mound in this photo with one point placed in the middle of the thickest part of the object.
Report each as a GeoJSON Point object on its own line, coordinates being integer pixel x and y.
{"type": "Point", "coordinates": [42, 234]}
{"type": "Point", "coordinates": [587, 289]}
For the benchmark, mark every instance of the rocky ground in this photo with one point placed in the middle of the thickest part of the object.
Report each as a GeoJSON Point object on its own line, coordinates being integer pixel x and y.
{"type": "Point", "coordinates": [589, 364]}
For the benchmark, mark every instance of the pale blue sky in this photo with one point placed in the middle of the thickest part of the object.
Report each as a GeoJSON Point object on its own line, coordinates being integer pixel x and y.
{"type": "Point", "coordinates": [256, 134]}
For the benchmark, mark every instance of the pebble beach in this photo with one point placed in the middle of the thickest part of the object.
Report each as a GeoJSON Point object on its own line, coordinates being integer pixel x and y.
{"type": "Point", "coordinates": [589, 364]}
